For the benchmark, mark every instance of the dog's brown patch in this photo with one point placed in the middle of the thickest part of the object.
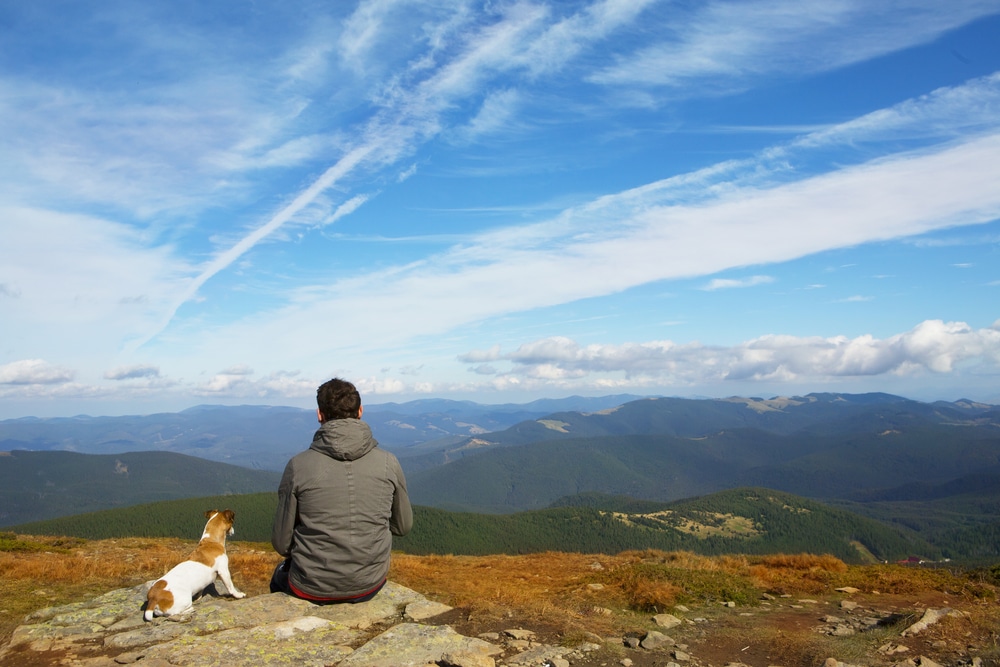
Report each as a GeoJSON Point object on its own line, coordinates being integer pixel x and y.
{"type": "Point", "coordinates": [158, 596]}
{"type": "Point", "coordinates": [207, 552]}
{"type": "Point", "coordinates": [213, 544]}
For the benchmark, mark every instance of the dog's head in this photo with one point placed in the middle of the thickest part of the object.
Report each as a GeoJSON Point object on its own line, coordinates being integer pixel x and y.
{"type": "Point", "coordinates": [224, 519]}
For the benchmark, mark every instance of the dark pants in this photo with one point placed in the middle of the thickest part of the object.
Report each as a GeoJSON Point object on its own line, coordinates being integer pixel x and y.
{"type": "Point", "coordinates": [280, 584]}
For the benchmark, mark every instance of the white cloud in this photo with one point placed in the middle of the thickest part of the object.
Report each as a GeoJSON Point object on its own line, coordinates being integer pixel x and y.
{"type": "Point", "coordinates": [494, 115]}
{"type": "Point", "coordinates": [87, 286]}
{"type": "Point", "coordinates": [946, 112]}
{"type": "Point", "coordinates": [133, 372]}
{"type": "Point", "coordinates": [517, 269]}
{"type": "Point", "coordinates": [363, 29]}
{"type": "Point", "coordinates": [34, 371]}
{"type": "Point", "coordinates": [728, 283]}
{"type": "Point", "coordinates": [406, 173]}
{"type": "Point", "coordinates": [478, 356]}
{"type": "Point", "coordinates": [933, 345]}
{"type": "Point", "coordinates": [730, 41]}
{"type": "Point", "coordinates": [237, 383]}
{"type": "Point", "coordinates": [239, 369]}
{"type": "Point", "coordinates": [380, 386]}
{"type": "Point", "coordinates": [348, 207]}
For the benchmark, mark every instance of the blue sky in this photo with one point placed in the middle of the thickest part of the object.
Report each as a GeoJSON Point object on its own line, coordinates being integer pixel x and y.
{"type": "Point", "coordinates": [231, 202]}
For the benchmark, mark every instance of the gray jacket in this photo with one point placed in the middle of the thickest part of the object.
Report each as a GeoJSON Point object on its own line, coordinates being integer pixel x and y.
{"type": "Point", "coordinates": [337, 504]}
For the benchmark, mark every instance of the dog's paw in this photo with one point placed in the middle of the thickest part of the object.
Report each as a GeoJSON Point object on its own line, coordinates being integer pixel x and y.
{"type": "Point", "coordinates": [239, 594]}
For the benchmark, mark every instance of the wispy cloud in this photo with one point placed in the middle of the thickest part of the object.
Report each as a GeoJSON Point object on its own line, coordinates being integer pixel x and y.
{"type": "Point", "coordinates": [170, 212]}
{"type": "Point", "coordinates": [730, 41]}
{"type": "Point", "coordinates": [517, 269]}
{"type": "Point", "coordinates": [729, 283]}
{"type": "Point", "coordinates": [413, 114]}
{"type": "Point", "coordinates": [133, 372]}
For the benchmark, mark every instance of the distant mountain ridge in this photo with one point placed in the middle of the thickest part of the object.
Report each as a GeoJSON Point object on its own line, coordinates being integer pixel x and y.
{"type": "Point", "coordinates": [265, 437]}
{"type": "Point", "coordinates": [831, 446]}
{"type": "Point", "coordinates": [925, 467]}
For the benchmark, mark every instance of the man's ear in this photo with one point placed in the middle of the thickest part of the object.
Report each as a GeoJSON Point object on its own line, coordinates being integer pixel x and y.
{"type": "Point", "coordinates": [361, 409]}
{"type": "Point", "coordinates": [319, 415]}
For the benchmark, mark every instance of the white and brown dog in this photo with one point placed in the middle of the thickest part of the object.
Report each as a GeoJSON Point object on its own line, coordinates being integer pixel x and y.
{"type": "Point", "coordinates": [174, 592]}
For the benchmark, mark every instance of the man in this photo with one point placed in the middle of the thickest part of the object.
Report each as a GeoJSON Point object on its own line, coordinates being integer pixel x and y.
{"type": "Point", "coordinates": [338, 502]}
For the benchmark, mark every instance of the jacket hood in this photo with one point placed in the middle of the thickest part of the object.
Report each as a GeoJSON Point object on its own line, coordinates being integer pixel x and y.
{"type": "Point", "coordinates": [344, 439]}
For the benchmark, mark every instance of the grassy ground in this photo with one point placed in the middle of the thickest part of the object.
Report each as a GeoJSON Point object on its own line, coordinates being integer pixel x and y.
{"type": "Point", "coordinates": [568, 597]}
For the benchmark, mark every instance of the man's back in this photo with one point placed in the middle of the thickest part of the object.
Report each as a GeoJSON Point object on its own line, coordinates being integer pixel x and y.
{"type": "Point", "coordinates": [338, 503]}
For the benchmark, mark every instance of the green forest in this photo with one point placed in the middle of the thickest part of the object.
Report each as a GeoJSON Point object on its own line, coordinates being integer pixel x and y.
{"type": "Point", "coordinates": [778, 523]}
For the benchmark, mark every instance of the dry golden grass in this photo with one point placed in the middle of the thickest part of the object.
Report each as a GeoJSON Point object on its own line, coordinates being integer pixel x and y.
{"type": "Point", "coordinates": [550, 587]}
{"type": "Point", "coordinates": [571, 594]}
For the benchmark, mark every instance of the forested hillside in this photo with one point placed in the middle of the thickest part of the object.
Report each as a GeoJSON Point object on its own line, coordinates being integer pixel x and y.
{"type": "Point", "coordinates": [40, 485]}
{"type": "Point", "coordinates": [750, 521]}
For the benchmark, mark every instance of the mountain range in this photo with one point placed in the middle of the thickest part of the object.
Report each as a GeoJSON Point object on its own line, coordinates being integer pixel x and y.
{"type": "Point", "coordinates": [829, 446]}
{"type": "Point", "coordinates": [265, 437]}
{"type": "Point", "coordinates": [930, 469]}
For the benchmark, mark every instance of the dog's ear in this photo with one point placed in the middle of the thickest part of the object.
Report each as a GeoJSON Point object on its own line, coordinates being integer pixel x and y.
{"type": "Point", "coordinates": [210, 513]}
{"type": "Point", "coordinates": [229, 514]}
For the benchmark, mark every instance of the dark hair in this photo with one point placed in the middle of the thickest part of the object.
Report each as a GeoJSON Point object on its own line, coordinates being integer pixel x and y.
{"type": "Point", "coordinates": [338, 399]}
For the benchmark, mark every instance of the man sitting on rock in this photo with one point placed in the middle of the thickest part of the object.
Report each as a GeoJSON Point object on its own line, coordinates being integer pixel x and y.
{"type": "Point", "coordinates": [339, 503]}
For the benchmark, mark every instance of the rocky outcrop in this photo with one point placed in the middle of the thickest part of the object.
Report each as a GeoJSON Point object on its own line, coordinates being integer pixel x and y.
{"type": "Point", "coordinates": [269, 630]}
{"type": "Point", "coordinates": [401, 628]}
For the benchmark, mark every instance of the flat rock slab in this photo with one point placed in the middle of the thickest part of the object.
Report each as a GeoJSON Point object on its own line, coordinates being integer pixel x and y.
{"type": "Point", "coordinates": [274, 630]}
{"type": "Point", "coordinates": [414, 645]}
{"type": "Point", "coordinates": [307, 641]}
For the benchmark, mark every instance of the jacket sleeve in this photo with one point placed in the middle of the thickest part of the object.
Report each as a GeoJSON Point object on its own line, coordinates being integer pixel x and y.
{"type": "Point", "coordinates": [401, 520]}
{"type": "Point", "coordinates": [283, 529]}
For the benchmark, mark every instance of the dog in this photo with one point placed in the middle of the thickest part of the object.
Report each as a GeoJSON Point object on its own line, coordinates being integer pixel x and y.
{"type": "Point", "coordinates": [174, 592]}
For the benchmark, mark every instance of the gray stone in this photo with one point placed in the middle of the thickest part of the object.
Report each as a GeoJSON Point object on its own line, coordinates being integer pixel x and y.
{"type": "Point", "coordinates": [466, 659]}
{"type": "Point", "coordinates": [538, 655]}
{"type": "Point", "coordinates": [667, 621]}
{"type": "Point", "coordinates": [930, 617]}
{"type": "Point", "coordinates": [421, 610]}
{"type": "Point", "coordinates": [654, 639]}
{"type": "Point", "coordinates": [519, 633]}
{"type": "Point", "coordinates": [413, 644]}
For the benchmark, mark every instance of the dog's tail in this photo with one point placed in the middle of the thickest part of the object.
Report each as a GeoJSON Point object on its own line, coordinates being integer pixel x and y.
{"type": "Point", "coordinates": [158, 599]}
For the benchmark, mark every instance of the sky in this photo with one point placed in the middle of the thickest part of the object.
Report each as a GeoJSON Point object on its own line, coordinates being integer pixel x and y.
{"type": "Point", "coordinates": [231, 202]}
